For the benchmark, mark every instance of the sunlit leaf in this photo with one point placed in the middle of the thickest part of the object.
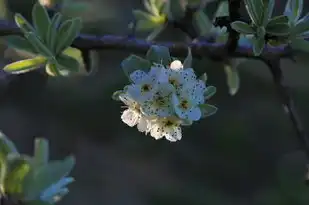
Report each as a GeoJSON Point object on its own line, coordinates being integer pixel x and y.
{"type": "Point", "coordinates": [52, 69]}
{"type": "Point", "coordinates": [18, 169]}
{"type": "Point", "coordinates": [23, 24]}
{"type": "Point", "coordinates": [68, 62]}
{"type": "Point", "coordinates": [6, 145]}
{"type": "Point", "coordinates": [24, 66]}
{"type": "Point", "coordinates": [116, 95]}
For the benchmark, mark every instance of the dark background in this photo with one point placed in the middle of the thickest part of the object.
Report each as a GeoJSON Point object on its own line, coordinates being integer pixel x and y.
{"type": "Point", "coordinates": [246, 154]}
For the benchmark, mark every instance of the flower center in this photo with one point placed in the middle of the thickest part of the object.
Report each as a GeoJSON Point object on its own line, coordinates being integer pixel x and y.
{"type": "Point", "coordinates": [173, 81]}
{"type": "Point", "coordinates": [184, 104]}
{"type": "Point", "coordinates": [146, 88]}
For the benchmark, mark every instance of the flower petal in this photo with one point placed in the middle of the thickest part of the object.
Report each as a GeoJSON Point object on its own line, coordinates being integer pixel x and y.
{"type": "Point", "coordinates": [156, 131]}
{"type": "Point", "coordinates": [130, 117]}
{"type": "Point", "coordinates": [138, 76]}
{"type": "Point", "coordinates": [176, 65]}
{"type": "Point", "coordinates": [173, 133]}
{"type": "Point", "coordinates": [143, 125]}
{"type": "Point", "coordinates": [194, 114]}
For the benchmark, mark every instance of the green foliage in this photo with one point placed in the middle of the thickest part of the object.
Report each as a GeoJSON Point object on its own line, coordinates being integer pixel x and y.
{"type": "Point", "coordinates": [48, 40]}
{"type": "Point", "coordinates": [133, 63]}
{"type": "Point", "coordinates": [208, 110]}
{"type": "Point", "coordinates": [153, 19]}
{"type": "Point", "coordinates": [27, 178]}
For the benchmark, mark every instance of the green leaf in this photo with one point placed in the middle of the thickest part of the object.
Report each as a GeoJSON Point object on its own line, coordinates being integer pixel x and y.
{"type": "Point", "coordinates": [159, 54]}
{"type": "Point", "coordinates": [39, 46]}
{"type": "Point", "coordinates": [6, 145]}
{"type": "Point", "coordinates": [44, 176]}
{"type": "Point", "coordinates": [300, 44]}
{"type": "Point", "coordinates": [24, 66]}
{"type": "Point", "coordinates": [155, 32]}
{"type": "Point", "coordinates": [141, 15]}
{"type": "Point", "coordinates": [68, 31]}
{"type": "Point", "coordinates": [203, 77]}
{"type": "Point", "coordinates": [41, 151]}
{"type": "Point", "coordinates": [268, 11]}
{"type": "Point", "coordinates": [278, 20]}
{"type": "Point", "coordinates": [255, 10]}
{"type": "Point", "coordinates": [279, 29]}
{"type": "Point", "coordinates": [3, 171]}
{"type": "Point", "coordinates": [176, 10]}
{"type": "Point", "coordinates": [300, 28]}
{"type": "Point", "coordinates": [242, 27]}
{"type": "Point", "coordinates": [68, 62]}
{"type": "Point", "coordinates": [23, 24]}
{"type": "Point", "coordinates": [223, 9]}
{"type": "Point", "coordinates": [210, 91]}
{"type": "Point", "coordinates": [208, 110]}
{"type": "Point", "coordinates": [116, 95]}
{"type": "Point", "coordinates": [202, 22]}
{"type": "Point", "coordinates": [293, 9]}
{"type": "Point", "coordinates": [258, 45]}
{"type": "Point", "coordinates": [187, 63]}
{"type": "Point", "coordinates": [19, 168]}
{"type": "Point", "coordinates": [51, 69]}
{"type": "Point", "coordinates": [52, 31]}
{"type": "Point", "coordinates": [260, 32]}
{"type": "Point", "coordinates": [41, 21]}
{"type": "Point", "coordinates": [20, 43]}
{"type": "Point", "coordinates": [133, 63]}
{"type": "Point", "coordinates": [233, 80]}
{"type": "Point", "coordinates": [145, 25]}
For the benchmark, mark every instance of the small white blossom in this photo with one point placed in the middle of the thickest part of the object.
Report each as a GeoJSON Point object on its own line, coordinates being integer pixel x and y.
{"type": "Point", "coordinates": [166, 127]}
{"type": "Point", "coordinates": [178, 76]}
{"type": "Point", "coordinates": [160, 105]}
{"type": "Point", "coordinates": [132, 115]}
{"type": "Point", "coordinates": [145, 84]}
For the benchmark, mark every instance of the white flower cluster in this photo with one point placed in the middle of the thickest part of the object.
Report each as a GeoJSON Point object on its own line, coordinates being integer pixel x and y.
{"type": "Point", "coordinates": [162, 100]}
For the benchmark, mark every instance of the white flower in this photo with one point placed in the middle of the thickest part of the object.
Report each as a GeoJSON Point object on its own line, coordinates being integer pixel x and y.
{"type": "Point", "coordinates": [186, 103]}
{"type": "Point", "coordinates": [160, 105]}
{"type": "Point", "coordinates": [178, 76]}
{"type": "Point", "coordinates": [132, 115]}
{"type": "Point", "coordinates": [145, 84]}
{"type": "Point", "coordinates": [166, 127]}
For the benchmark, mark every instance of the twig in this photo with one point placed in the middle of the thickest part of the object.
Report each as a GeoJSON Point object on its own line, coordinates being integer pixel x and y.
{"type": "Point", "coordinates": [289, 107]}
{"type": "Point", "coordinates": [113, 42]}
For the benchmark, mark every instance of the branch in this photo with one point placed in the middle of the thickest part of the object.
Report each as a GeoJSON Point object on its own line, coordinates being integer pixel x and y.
{"type": "Point", "coordinates": [289, 107]}
{"type": "Point", "coordinates": [113, 42]}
